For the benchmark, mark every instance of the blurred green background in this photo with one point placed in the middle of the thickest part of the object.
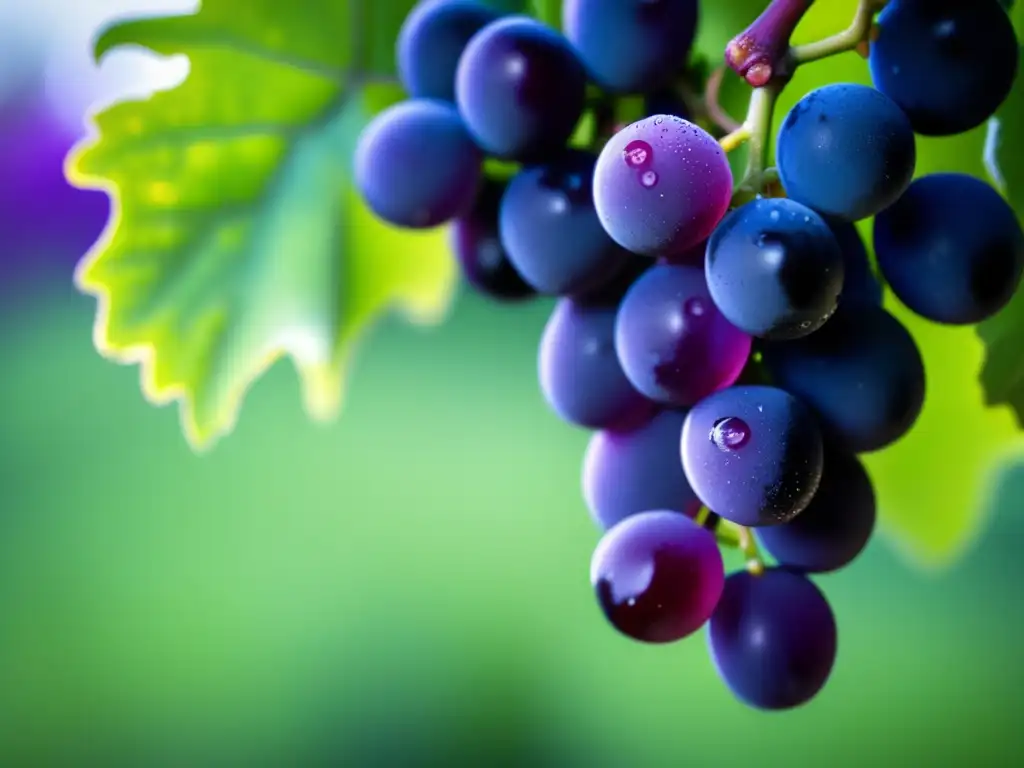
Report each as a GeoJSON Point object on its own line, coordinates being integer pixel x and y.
{"type": "Point", "coordinates": [406, 587]}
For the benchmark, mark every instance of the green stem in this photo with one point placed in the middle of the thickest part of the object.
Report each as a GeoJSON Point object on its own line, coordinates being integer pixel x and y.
{"type": "Point", "coordinates": [855, 36]}
{"type": "Point", "coordinates": [748, 546]}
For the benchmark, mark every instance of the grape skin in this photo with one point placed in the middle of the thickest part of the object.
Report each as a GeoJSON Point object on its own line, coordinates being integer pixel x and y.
{"type": "Point", "coordinates": [580, 374]}
{"type": "Point", "coordinates": [551, 231]}
{"type": "Point", "coordinates": [773, 639]}
{"type": "Point", "coordinates": [674, 345]}
{"type": "Point", "coordinates": [846, 151]}
{"type": "Point", "coordinates": [860, 285]}
{"type": "Point", "coordinates": [861, 374]}
{"type": "Point", "coordinates": [669, 197]}
{"type": "Point", "coordinates": [520, 89]}
{"type": "Point", "coordinates": [951, 249]}
{"type": "Point", "coordinates": [835, 527]}
{"type": "Point", "coordinates": [430, 42]}
{"type": "Point", "coordinates": [416, 165]}
{"type": "Point", "coordinates": [658, 576]}
{"type": "Point", "coordinates": [774, 269]}
{"type": "Point", "coordinates": [769, 479]}
{"type": "Point", "coordinates": [629, 46]}
{"type": "Point", "coordinates": [626, 472]}
{"type": "Point", "coordinates": [948, 64]}
{"type": "Point", "coordinates": [475, 242]}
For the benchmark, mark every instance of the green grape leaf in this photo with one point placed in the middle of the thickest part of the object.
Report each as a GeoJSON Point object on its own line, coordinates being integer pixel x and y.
{"type": "Point", "coordinates": [236, 237]}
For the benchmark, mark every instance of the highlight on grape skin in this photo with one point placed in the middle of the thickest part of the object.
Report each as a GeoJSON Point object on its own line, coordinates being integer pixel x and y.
{"type": "Point", "coordinates": [661, 186]}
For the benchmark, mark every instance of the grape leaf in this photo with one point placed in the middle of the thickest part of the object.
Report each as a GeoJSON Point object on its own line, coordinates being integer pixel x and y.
{"type": "Point", "coordinates": [236, 236]}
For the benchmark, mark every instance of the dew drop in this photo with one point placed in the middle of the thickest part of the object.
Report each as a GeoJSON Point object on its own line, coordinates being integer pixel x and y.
{"type": "Point", "coordinates": [648, 178]}
{"type": "Point", "coordinates": [638, 154]}
{"type": "Point", "coordinates": [730, 433]}
{"type": "Point", "coordinates": [774, 215]}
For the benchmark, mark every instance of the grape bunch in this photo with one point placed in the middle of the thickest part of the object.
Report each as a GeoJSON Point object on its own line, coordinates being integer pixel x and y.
{"type": "Point", "coordinates": [724, 338]}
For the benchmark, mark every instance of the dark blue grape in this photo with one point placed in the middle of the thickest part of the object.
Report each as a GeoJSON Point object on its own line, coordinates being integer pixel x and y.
{"type": "Point", "coordinates": [478, 249]}
{"type": "Point", "coordinates": [630, 46]}
{"type": "Point", "coordinates": [837, 524]}
{"type": "Point", "coordinates": [674, 345]}
{"type": "Point", "coordinates": [951, 249]}
{"type": "Point", "coordinates": [431, 41]}
{"type": "Point", "coordinates": [611, 291]}
{"type": "Point", "coordinates": [416, 165]}
{"type": "Point", "coordinates": [658, 576]}
{"type": "Point", "coordinates": [551, 231]}
{"type": "Point", "coordinates": [774, 269]}
{"type": "Point", "coordinates": [752, 454]}
{"type": "Point", "coordinates": [862, 374]}
{"type": "Point", "coordinates": [666, 101]}
{"type": "Point", "coordinates": [773, 639]}
{"type": "Point", "coordinates": [948, 64]}
{"type": "Point", "coordinates": [580, 374]}
{"type": "Point", "coordinates": [860, 285]}
{"type": "Point", "coordinates": [846, 151]}
{"type": "Point", "coordinates": [629, 472]}
{"type": "Point", "coordinates": [520, 89]}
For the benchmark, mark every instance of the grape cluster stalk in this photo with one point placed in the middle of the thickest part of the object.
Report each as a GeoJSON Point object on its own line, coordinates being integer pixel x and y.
{"type": "Point", "coordinates": [723, 338]}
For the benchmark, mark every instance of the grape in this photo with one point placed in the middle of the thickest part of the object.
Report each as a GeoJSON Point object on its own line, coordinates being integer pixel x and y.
{"type": "Point", "coordinates": [416, 166]}
{"type": "Point", "coordinates": [951, 249]}
{"type": "Point", "coordinates": [773, 639]}
{"type": "Point", "coordinates": [431, 41]}
{"type": "Point", "coordinates": [580, 375]}
{"type": "Point", "coordinates": [481, 256]}
{"type": "Point", "coordinates": [629, 46]}
{"type": "Point", "coordinates": [666, 101]}
{"type": "Point", "coordinates": [752, 454]}
{"type": "Point", "coordinates": [860, 284]}
{"type": "Point", "coordinates": [862, 374]}
{"type": "Point", "coordinates": [661, 185]}
{"type": "Point", "coordinates": [674, 345]}
{"type": "Point", "coordinates": [949, 64]}
{"type": "Point", "coordinates": [520, 89]}
{"type": "Point", "coordinates": [846, 151]}
{"type": "Point", "coordinates": [836, 525]}
{"type": "Point", "coordinates": [658, 576]}
{"type": "Point", "coordinates": [629, 472]}
{"type": "Point", "coordinates": [774, 269]}
{"type": "Point", "coordinates": [611, 291]}
{"type": "Point", "coordinates": [551, 231]}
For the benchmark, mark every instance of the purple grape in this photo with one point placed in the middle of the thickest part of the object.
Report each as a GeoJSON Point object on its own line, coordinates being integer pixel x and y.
{"type": "Point", "coordinates": [752, 454]}
{"type": "Point", "coordinates": [658, 576]}
{"type": "Point", "coordinates": [520, 89]}
{"type": "Point", "coordinates": [416, 165]}
{"type": "Point", "coordinates": [773, 639]}
{"type": "Point", "coordinates": [837, 524]}
{"type": "Point", "coordinates": [627, 472]}
{"type": "Point", "coordinates": [580, 375]}
{"type": "Point", "coordinates": [661, 186]}
{"type": "Point", "coordinates": [673, 343]}
{"type": "Point", "coordinates": [611, 291]}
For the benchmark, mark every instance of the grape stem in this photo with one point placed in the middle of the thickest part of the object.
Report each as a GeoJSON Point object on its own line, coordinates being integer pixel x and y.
{"type": "Point", "coordinates": [855, 37]}
{"type": "Point", "coordinates": [748, 546]}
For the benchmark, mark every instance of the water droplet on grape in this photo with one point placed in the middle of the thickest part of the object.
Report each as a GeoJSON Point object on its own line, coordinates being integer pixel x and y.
{"type": "Point", "coordinates": [648, 179]}
{"type": "Point", "coordinates": [774, 216]}
{"type": "Point", "coordinates": [695, 307]}
{"type": "Point", "coordinates": [730, 433]}
{"type": "Point", "coordinates": [638, 154]}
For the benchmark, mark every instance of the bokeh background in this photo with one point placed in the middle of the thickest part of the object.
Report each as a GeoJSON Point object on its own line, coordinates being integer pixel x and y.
{"type": "Point", "coordinates": [406, 587]}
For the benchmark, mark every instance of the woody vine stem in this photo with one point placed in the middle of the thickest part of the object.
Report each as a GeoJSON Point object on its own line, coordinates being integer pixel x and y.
{"type": "Point", "coordinates": [763, 56]}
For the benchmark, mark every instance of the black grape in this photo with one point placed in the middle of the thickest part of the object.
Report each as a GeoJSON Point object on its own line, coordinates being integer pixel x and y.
{"type": "Point", "coordinates": [773, 639]}
{"type": "Point", "coordinates": [629, 472]}
{"type": "Point", "coordinates": [860, 285]}
{"type": "Point", "coordinates": [862, 374]}
{"type": "Point", "coordinates": [951, 249]}
{"type": "Point", "coordinates": [658, 576]}
{"type": "Point", "coordinates": [846, 151]}
{"type": "Point", "coordinates": [551, 231]}
{"type": "Point", "coordinates": [948, 64]}
{"type": "Point", "coordinates": [579, 371]}
{"type": "Point", "coordinates": [837, 524]}
{"type": "Point", "coordinates": [416, 165]}
{"type": "Point", "coordinates": [774, 269]}
{"type": "Point", "coordinates": [520, 89]}
{"type": "Point", "coordinates": [478, 249]}
{"type": "Point", "coordinates": [629, 46]}
{"type": "Point", "coordinates": [752, 454]}
{"type": "Point", "coordinates": [431, 41]}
